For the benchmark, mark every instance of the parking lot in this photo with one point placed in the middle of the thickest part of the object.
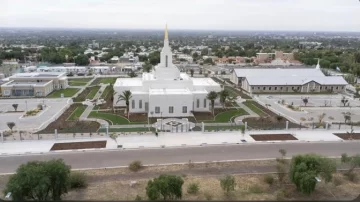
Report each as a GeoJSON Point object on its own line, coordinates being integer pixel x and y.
{"type": "Point", "coordinates": [7, 114]}
{"type": "Point", "coordinates": [334, 109]}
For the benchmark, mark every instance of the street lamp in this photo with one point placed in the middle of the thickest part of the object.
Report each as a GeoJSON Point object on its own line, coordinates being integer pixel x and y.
{"type": "Point", "coordinates": [161, 121]}
{"type": "Point", "coordinates": [26, 105]}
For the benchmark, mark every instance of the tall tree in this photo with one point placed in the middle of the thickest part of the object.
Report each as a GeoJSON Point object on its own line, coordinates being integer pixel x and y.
{"type": "Point", "coordinates": [82, 60]}
{"type": "Point", "coordinates": [192, 72]}
{"type": "Point", "coordinates": [223, 95]}
{"type": "Point", "coordinates": [212, 96]}
{"type": "Point", "coordinates": [125, 96]}
{"type": "Point", "coordinates": [167, 187]}
{"type": "Point", "coordinates": [304, 170]}
{"type": "Point", "coordinates": [11, 125]}
{"type": "Point", "coordinates": [147, 67]}
{"type": "Point", "coordinates": [15, 106]}
{"type": "Point", "coordinates": [39, 181]}
{"type": "Point", "coordinates": [132, 74]}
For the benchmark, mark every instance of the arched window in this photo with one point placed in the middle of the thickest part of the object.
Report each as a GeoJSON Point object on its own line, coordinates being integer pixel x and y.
{"type": "Point", "coordinates": [166, 61]}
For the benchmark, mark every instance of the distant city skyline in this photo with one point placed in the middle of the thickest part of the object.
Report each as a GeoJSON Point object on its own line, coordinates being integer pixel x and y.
{"type": "Point", "coordinates": [240, 15]}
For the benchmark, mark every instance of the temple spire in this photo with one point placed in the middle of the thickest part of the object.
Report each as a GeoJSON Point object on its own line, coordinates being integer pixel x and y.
{"type": "Point", "coordinates": [166, 32]}
{"type": "Point", "coordinates": [318, 64]}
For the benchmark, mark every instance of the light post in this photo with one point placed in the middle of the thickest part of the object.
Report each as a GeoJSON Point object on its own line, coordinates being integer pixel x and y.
{"type": "Point", "coordinates": [26, 106]}
{"type": "Point", "coordinates": [161, 121]}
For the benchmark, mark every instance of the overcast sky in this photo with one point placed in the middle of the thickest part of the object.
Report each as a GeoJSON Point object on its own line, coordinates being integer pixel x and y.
{"type": "Point", "coordinates": [303, 15]}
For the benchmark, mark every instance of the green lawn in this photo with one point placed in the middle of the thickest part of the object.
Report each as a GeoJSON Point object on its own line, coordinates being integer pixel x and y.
{"type": "Point", "coordinates": [127, 130]}
{"type": "Point", "coordinates": [93, 92]}
{"type": "Point", "coordinates": [77, 113]}
{"type": "Point", "coordinates": [223, 127]}
{"type": "Point", "coordinates": [254, 108]}
{"type": "Point", "coordinates": [237, 92]}
{"type": "Point", "coordinates": [79, 82]}
{"type": "Point", "coordinates": [225, 117]}
{"type": "Point", "coordinates": [69, 92]}
{"type": "Point", "coordinates": [106, 91]}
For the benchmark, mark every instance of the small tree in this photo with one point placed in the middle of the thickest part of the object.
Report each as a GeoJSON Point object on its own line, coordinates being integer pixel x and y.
{"type": "Point", "coordinates": [347, 116]}
{"type": "Point", "coordinates": [39, 181]}
{"type": "Point", "coordinates": [192, 72]}
{"type": "Point", "coordinates": [135, 166]}
{"type": "Point", "coordinates": [132, 74]}
{"type": "Point", "coordinates": [167, 187]}
{"type": "Point", "coordinates": [11, 125]}
{"type": "Point", "coordinates": [321, 117]}
{"type": "Point", "coordinates": [228, 183]}
{"type": "Point", "coordinates": [114, 136]}
{"type": "Point", "coordinates": [281, 166]}
{"type": "Point", "coordinates": [15, 106]}
{"type": "Point", "coordinates": [352, 161]}
{"type": "Point", "coordinates": [305, 101]}
{"type": "Point", "coordinates": [344, 100]}
{"type": "Point", "coordinates": [305, 169]}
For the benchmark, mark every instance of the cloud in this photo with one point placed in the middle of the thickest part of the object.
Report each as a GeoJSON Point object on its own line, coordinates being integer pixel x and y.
{"type": "Point", "coordinates": [312, 15]}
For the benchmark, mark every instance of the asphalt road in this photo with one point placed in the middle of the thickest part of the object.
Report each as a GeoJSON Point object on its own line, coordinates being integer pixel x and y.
{"type": "Point", "coordinates": [99, 159]}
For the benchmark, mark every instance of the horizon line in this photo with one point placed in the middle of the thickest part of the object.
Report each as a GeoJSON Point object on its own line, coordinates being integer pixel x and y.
{"type": "Point", "coordinates": [179, 29]}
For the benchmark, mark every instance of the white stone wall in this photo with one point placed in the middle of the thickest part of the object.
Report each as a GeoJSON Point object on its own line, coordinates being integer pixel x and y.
{"type": "Point", "coordinates": [178, 101]}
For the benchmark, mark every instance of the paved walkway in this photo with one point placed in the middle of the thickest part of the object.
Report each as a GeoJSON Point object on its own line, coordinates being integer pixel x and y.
{"type": "Point", "coordinates": [89, 108]}
{"type": "Point", "coordinates": [149, 140]}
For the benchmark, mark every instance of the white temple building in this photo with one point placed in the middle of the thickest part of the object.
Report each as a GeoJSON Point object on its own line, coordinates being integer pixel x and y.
{"type": "Point", "coordinates": [165, 92]}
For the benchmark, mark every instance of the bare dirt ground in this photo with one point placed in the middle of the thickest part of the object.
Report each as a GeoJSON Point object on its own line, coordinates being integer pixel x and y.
{"type": "Point", "coordinates": [114, 184]}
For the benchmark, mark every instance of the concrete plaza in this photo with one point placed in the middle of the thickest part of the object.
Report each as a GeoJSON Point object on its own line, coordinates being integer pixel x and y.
{"type": "Point", "coordinates": [171, 140]}
{"type": "Point", "coordinates": [55, 107]}
{"type": "Point", "coordinates": [314, 108]}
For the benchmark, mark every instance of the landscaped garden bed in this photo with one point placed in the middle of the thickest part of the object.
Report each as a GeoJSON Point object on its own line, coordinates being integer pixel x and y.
{"type": "Point", "coordinates": [63, 125]}
{"type": "Point", "coordinates": [78, 145]}
{"type": "Point", "coordinates": [119, 118]}
{"type": "Point", "coordinates": [107, 95]}
{"type": "Point", "coordinates": [348, 136]}
{"type": "Point", "coordinates": [84, 94]}
{"type": "Point", "coordinates": [127, 130]}
{"type": "Point", "coordinates": [79, 82]}
{"type": "Point", "coordinates": [69, 92]}
{"type": "Point", "coordinates": [268, 119]}
{"type": "Point", "coordinates": [108, 80]}
{"type": "Point", "coordinates": [77, 113]}
{"type": "Point", "coordinates": [222, 115]}
{"type": "Point", "coordinates": [273, 137]}
{"type": "Point", "coordinates": [238, 92]}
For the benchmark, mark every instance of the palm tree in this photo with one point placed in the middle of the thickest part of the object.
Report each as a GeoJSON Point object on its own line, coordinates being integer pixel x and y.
{"type": "Point", "coordinates": [212, 96]}
{"type": "Point", "coordinates": [224, 95]}
{"type": "Point", "coordinates": [126, 96]}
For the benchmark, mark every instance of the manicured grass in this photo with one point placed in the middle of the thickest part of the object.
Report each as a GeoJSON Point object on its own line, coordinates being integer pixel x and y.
{"type": "Point", "coordinates": [223, 127]}
{"type": "Point", "coordinates": [69, 92]}
{"type": "Point", "coordinates": [93, 92]}
{"type": "Point", "coordinates": [237, 92]}
{"type": "Point", "coordinates": [254, 108]}
{"type": "Point", "coordinates": [77, 113]}
{"type": "Point", "coordinates": [109, 80]}
{"type": "Point", "coordinates": [79, 82]}
{"type": "Point", "coordinates": [111, 118]}
{"type": "Point", "coordinates": [106, 91]}
{"type": "Point", "coordinates": [102, 130]}
{"type": "Point", "coordinates": [225, 117]}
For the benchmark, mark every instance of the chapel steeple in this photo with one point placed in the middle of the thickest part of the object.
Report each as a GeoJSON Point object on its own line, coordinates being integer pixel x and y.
{"type": "Point", "coordinates": [166, 36]}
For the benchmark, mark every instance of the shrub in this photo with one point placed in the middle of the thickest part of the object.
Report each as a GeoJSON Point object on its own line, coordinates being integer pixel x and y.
{"type": "Point", "coordinates": [337, 180]}
{"type": "Point", "coordinates": [138, 198]}
{"type": "Point", "coordinates": [228, 183]}
{"type": "Point", "coordinates": [269, 179]}
{"type": "Point", "coordinates": [78, 180]}
{"type": "Point", "coordinates": [208, 196]}
{"type": "Point", "coordinates": [255, 189]}
{"type": "Point", "coordinates": [352, 177]}
{"type": "Point", "coordinates": [193, 188]}
{"type": "Point", "coordinates": [135, 166]}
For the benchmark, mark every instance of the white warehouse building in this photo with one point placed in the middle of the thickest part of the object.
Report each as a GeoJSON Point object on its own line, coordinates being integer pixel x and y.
{"type": "Point", "coordinates": [165, 92]}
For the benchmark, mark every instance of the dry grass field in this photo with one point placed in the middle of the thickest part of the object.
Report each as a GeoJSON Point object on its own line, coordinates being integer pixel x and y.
{"type": "Point", "coordinates": [114, 184]}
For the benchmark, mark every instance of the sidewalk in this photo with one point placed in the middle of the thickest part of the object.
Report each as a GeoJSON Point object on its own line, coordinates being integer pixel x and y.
{"type": "Point", "coordinates": [136, 141]}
